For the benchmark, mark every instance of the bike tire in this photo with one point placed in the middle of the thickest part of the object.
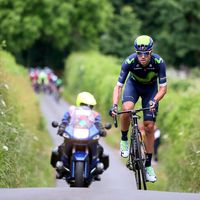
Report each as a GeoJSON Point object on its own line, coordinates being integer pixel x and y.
{"type": "Point", "coordinates": [138, 179]}
{"type": "Point", "coordinates": [79, 174]}
{"type": "Point", "coordinates": [140, 162]}
{"type": "Point", "coordinates": [134, 165]}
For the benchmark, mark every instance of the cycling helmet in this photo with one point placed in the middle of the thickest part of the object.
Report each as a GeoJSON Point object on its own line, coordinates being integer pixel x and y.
{"type": "Point", "coordinates": [143, 43]}
{"type": "Point", "coordinates": [85, 98]}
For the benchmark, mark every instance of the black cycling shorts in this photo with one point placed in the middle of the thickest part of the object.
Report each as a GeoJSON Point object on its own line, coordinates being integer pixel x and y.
{"type": "Point", "coordinates": [133, 90]}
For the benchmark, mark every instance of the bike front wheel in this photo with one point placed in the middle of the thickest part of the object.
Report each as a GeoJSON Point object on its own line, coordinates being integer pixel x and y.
{"type": "Point", "coordinates": [140, 172]}
{"type": "Point", "coordinates": [79, 174]}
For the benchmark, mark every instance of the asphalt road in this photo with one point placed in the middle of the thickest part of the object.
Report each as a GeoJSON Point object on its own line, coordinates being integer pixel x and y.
{"type": "Point", "coordinates": [117, 181]}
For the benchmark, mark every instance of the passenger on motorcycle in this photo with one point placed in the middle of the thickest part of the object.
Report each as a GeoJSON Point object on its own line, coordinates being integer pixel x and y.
{"type": "Point", "coordinates": [84, 101]}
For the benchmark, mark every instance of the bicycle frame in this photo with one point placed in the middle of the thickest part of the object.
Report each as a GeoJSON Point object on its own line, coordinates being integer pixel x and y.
{"type": "Point", "coordinates": [137, 153]}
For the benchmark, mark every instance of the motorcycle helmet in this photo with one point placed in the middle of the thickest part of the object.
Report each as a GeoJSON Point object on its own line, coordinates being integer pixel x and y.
{"type": "Point", "coordinates": [143, 43]}
{"type": "Point", "coordinates": [85, 98]}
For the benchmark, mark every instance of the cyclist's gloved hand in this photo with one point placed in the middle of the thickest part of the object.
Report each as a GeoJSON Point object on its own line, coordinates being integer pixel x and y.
{"type": "Point", "coordinates": [113, 110]}
{"type": "Point", "coordinates": [61, 129]}
{"type": "Point", "coordinates": [153, 104]}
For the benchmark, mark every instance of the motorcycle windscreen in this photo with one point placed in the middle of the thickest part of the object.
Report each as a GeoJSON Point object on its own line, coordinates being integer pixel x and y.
{"type": "Point", "coordinates": [82, 120]}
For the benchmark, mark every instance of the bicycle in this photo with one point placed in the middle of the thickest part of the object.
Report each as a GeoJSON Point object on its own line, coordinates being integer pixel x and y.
{"type": "Point", "coordinates": [137, 152]}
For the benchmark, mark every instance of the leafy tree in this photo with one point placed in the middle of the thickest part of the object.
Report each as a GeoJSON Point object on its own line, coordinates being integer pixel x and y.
{"type": "Point", "coordinates": [19, 26]}
{"type": "Point", "coordinates": [60, 26]}
{"type": "Point", "coordinates": [90, 19]}
{"type": "Point", "coordinates": [175, 27]}
{"type": "Point", "coordinates": [56, 16]}
{"type": "Point", "coordinates": [180, 32]}
{"type": "Point", "coordinates": [122, 31]}
{"type": "Point", "coordinates": [117, 5]}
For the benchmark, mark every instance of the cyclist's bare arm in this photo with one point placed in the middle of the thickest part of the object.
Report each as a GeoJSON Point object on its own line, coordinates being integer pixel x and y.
{"type": "Point", "coordinates": [117, 93]}
{"type": "Point", "coordinates": [161, 93]}
{"type": "Point", "coordinates": [162, 82]}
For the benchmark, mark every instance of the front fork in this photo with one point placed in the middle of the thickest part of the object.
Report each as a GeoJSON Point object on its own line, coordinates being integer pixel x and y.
{"type": "Point", "coordinates": [80, 157]}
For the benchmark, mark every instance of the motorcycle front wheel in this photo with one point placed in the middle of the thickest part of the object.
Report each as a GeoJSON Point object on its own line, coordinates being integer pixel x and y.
{"type": "Point", "coordinates": [79, 174]}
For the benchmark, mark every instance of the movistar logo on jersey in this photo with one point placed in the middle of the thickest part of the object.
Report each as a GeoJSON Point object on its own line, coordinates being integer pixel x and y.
{"type": "Point", "coordinates": [129, 61]}
{"type": "Point", "coordinates": [148, 79]}
{"type": "Point", "coordinates": [158, 60]}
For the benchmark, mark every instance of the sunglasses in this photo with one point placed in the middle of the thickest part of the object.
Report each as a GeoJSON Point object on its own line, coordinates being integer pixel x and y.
{"type": "Point", "coordinates": [141, 53]}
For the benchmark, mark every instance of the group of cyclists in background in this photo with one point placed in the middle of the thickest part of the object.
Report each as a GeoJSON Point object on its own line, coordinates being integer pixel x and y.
{"type": "Point", "coordinates": [44, 80]}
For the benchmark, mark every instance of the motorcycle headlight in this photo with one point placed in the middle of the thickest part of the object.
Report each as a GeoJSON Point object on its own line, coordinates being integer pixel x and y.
{"type": "Point", "coordinates": [81, 133]}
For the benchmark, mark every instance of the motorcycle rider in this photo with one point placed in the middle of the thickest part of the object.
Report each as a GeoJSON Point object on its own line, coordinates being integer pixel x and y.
{"type": "Point", "coordinates": [85, 100]}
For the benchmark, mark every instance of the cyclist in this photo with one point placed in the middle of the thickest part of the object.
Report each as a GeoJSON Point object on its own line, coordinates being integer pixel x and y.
{"type": "Point", "coordinates": [59, 84]}
{"type": "Point", "coordinates": [43, 80]}
{"type": "Point", "coordinates": [144, 68]}
{"type": "Point", "coordinates": [84, 101]}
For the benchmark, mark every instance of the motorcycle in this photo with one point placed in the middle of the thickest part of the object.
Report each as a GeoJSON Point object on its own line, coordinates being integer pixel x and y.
{"type": "Point", "coordinates": [82, 159]}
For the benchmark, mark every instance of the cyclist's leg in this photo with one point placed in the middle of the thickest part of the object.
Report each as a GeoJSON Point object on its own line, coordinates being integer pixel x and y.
{"type": "Point", "coordinates": [149, 144]}
{"type": "Point", "coordinates": [125, 118]}
{"type": "Point", "coordinates": [149, 121]}
{"type": "Point", "coordinates": [130, 97]}
{"type": "Point", "coordinates": [149, 135]}
{"type": "Point", "coordinates": [149, 117]}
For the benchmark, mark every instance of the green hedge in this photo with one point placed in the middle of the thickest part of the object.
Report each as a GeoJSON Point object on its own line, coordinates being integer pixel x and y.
{"type": "Point", "coordinates": [24, 143]}
{"type": "Point", "coordinates": [179, 121]}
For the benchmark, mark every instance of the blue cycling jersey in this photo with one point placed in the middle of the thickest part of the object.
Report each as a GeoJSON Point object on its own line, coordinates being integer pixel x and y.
{"type": "Point", "coordinates": [155, 70]}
